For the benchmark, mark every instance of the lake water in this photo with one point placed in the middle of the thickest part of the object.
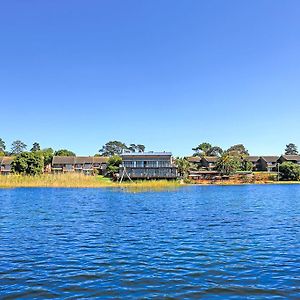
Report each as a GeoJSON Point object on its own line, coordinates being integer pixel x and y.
{"type": "Point", "coordinates": [210, 242]}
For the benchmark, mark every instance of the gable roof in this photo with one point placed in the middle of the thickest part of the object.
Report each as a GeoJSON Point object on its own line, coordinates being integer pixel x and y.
{"type": "Point", "coordinates": [270, 158]}
{"type": "Point", "coordinates": [211, 158]}
{"type": "Point", "coordinates": [194, 159]}
{"type": "Point", "coordinates": [291, 157]}
{"type": "Point", "coordinates": [6, 160]}
{"type": "Point", "coordinates": [252, 158]}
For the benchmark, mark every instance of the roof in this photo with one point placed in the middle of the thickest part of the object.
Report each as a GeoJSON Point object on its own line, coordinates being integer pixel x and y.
{"type": "Point", "coordinates": [61, 160]}
{"type": "Point", "coordinates": [100, 159]}
{"type": "Point", "coordinates": [84, 159]}
{"type": "Point", "coordinates": [194, 159]}
{"type": "Point", "coordinates": [6, 160]}
{"type": "Point", "coordinates": [146, 155]}
{"type": "Point", "coordinates": [68, 160]}
{"type": "Point", "coordinates": [211, 158]}
{"type": "Point", "coordinates": [150, 153]}
{"type": "Point", "coordinates": [270, 158]}
{"type": "Point", "coordinates": [291, 157]}
{"type": "Point", "coordinates": [252, 158]}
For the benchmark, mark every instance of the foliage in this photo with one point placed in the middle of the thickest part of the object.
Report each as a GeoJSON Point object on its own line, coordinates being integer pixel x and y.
{"type": "Point", "coordinates": [28, 163]}
{"type": "Point", "coordinates": [35, 147]}
{"type": "Point", "coordinates": [238, 149]}
{"type": "Point", "coordinates": [113, 165]}
{"type": "Point", "coordinates": [289, 171]}
{"type": "Point", "coordinates": [18, 147]}
{"type": "Point", "coordinates": [64, 152]}
{"type": "Point", "coordinates": [183, 166]}
{"type": "Point", "coordinates": [136, 148]}
{"type": "Point", "coordinates": [291, 149]}
{"type": "Point", "coordinates": [47, 154]}
{"type": "Point", "coordinates": [228, 164]}
{"type": "Point", "coordinates": [113, 148]}
{"type": "Point", "coordinates": [2, 146]}
{"type": "Point", "coordinates": [246, 165]}
{"type": "Point", "coordinates": [206, 149]}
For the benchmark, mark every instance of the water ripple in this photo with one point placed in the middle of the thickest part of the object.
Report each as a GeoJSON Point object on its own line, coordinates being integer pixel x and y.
{"type": "Point", "coordinates": [196, 242]}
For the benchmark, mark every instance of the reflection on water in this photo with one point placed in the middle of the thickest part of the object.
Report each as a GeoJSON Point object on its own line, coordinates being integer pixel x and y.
{"type": "Point", "coordinates": [210, 242]}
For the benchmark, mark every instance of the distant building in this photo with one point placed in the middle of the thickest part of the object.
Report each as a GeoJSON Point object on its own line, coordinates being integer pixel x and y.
{"type": "Point", "coordinates": [268, 163]}
{"type": "Point", "coordinates": [254, 161]}
{"type": "Point", "coordinates": [81, 164]}
{"type": "Point", "coordinates": [205, 162]}
{"type": "Point", "coordinates": [289, 158]}
{"type": "Point", "coordinates": [5, 165]}
{"type": "Point", "coordinates": [148, 165]}
{"type": "Point", "coordinates": [209, 162]}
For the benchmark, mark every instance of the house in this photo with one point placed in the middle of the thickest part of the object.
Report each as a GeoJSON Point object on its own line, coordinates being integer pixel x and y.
{"type": "Point", "coordinates": [63, 164]}
{"type": "Point", "coordinates": [268, 163]}
{"type": "Point", "coordinates": [254, 162]}
{"type": "Point", "coordinates": [5, 165]}
{"type": "Point", "coordinates": [289, 158]}
{"type": "Point", "coordinates": [209, 162]}
{"type": "Point", "coordinates": [148, 165]}
{"type": "Point", "coordinates": [81, 164]}
{"type": "Point", "coordinates": [195, 161]}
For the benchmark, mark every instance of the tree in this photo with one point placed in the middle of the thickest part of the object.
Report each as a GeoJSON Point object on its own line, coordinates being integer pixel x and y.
{"type": "Point", "coordinates": [215, 151]}
{"type": "Point", "coordinates": [2, 146]}
{"type": "Point", "coordinates": [238, 149]}
{"type": "Point", "coordinates": [183, 166]}
{"type": "Point", "coordinates": [289, 171]}
{"type": "Point", "coordinates": [228, 163]}
{"type": "Point", "coordinates": [35, 147]}
{"type": "Point", "coordinates": [202, 149]}
{"type": "Point", "coordinates": [136, 148]}
{"type": "Point", "coordinates": [113, 165]}
{"type": "Point", "coordinates": [291, 149]}
{"type": "Point", "coordinates": [246, 165]}
{"type": "Point", "coordinates": [64, 152]}
{"type": "Point", "coordinates": [113, 148]}
{"type": "Point", "coordinates": [206, 149]}
{"type": "Point", "coordinates": [18, 147]}
{"type": "Point", "coordinates": [28, 163]}
{"type": "Point", "coordinates": [47, 154]}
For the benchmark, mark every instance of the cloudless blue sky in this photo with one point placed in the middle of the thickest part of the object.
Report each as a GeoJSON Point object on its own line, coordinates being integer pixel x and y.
{"type": "Point", "coordinates": [168, 74]}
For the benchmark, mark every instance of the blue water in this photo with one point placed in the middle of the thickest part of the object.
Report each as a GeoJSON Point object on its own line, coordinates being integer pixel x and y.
{"type": "Point", "coordinates": [210, 242]}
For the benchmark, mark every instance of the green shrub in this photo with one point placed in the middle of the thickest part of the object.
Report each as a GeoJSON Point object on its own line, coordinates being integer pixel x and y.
{"type": "Point", "coordinates": [289, 171]}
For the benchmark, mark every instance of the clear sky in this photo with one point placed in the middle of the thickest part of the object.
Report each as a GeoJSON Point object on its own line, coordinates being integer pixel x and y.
{"type": "Point", "coordinates": [168, 74]}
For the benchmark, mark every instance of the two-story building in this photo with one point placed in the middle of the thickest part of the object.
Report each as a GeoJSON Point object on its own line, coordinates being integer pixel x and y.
{"type": "Point", "coordinates": [254, 161]}
{"type": "Point", "coordinates": [268, 163]}
{"type": "Point", "coordinates": [81, 164]}
{"type": "Point", "coordinates": [148, 165]}
{"type": "Point", "coordinates": [289, 158]}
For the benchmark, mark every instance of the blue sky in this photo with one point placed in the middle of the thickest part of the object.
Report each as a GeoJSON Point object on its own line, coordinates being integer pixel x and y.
{"type": "Point", "coordinates": [168, 74]}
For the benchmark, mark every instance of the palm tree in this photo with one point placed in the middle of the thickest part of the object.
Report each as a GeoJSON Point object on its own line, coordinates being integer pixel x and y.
{"type": "Point", "coordinates": [183, 166]}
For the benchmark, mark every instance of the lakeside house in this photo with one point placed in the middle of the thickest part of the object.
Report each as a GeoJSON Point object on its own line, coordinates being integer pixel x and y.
{"type": "Point", "coordinates": [254, 161]}
{"type": "Point", "coordinates": [205, 162]}
{"type": "Point", "coordinates": [148, 165]}
{"type": "Point", "coordinates": [5, 165]}
{"type": "Point", "coordinates": [81, 164]}
{"type": "Point", "coordinates": [268, 163]}
{"type": "Point", "coordinates": [289, 158]}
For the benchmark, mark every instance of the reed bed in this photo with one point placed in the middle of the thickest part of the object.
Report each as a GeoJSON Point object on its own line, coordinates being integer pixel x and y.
{"type": "Point", "coordinates": [76, 180]}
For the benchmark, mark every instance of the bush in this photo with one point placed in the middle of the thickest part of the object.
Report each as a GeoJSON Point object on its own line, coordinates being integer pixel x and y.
{"type": "Point", "coordinates": [28, 163]}
{"type": "Point", "coordinates": [289, 171]}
